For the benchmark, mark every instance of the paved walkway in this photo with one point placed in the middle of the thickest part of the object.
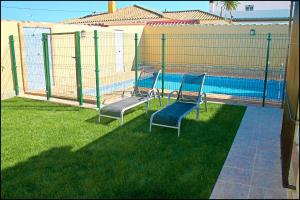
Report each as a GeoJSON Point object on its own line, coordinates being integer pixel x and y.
{"type": "Point", "coordinates": [253, 168]}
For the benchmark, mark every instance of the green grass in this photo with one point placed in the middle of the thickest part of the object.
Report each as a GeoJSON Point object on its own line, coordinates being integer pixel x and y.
{"type": "Point", "coordinates": [50, 150]}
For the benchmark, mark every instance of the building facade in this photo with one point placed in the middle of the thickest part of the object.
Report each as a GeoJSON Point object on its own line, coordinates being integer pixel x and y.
{"type": "Point", "coordinates": [255, 12]}
{"type": "Point", "coordinates": [246, 6]}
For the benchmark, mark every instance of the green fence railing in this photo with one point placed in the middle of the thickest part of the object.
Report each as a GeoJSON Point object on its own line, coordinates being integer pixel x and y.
{"type": "Point", "coordinates": [46, 65]}
{"type": "Point", "coordinates": [97, 69]}
{"type": "Point", "coordinates": [163, 61]}
{"type": "Point", "coordinates": [267, 69]}
{"type": "Point", "coordinates": [239, 67]}
{"type": "Point", "coordinates": [14, 64]}
{"type": "Point", "coordinates": [136, 60]}
{"type": "Point", "coordinates": [78, 67]}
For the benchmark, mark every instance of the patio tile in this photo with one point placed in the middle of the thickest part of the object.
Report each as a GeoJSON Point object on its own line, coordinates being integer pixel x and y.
{"type": "Point", "coordinates": [254, 158]}
{"type": "Point", "coordinates": [240, 150]}
{"type": "Point", "coordinates": [263, 193]}
{"type": "Point", "coordinates": [239, 162]}
{"type": "Point", "coordinates": [268, 154]}
{"type": "Point", "coordinates": [269, 140]}
{"type": "Point", "coordinates": [240, 141]}
{"type": "Point", "coordinates": [268, 135]}
{"type": "Point", "coordinates": [267, 166]}
{"type": "Point", "coordinates": [268, 148]}
{"type": "Point", "coordinates": [235, 175]}
{"type": "Point", "coordinates": [226, 190]}
{"type": "Point", "coordinates": [268, 180]}
{"type": "Point", "coordinates": [269, 143]}
{"type": "Point", "coordinates": [256, 193]}
{"type": "Point", "coordinates": [275, 194]}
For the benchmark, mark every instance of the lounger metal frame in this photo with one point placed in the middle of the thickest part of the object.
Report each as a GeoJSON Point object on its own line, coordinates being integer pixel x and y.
{"type": "Point", "coordinates": [150, 94]}
{"type": "Point", "coordinates": [197, 107]}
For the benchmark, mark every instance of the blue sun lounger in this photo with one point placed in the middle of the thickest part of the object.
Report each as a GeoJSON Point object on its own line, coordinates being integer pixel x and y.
{"type": "Point", "coordinates": [142, 93]}
{"type": "Point", "coordinates": [189, 97]}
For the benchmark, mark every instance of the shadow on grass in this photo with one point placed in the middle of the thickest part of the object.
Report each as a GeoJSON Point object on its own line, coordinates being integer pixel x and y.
{"type": "Point", "coordinates": [129, 162]}
{"type": "Point", "coordinates": [26, 104]}
{"type": "Point", "coordinates": [43, 108]}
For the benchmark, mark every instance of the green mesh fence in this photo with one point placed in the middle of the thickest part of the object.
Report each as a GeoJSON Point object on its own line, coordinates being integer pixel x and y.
{"type": "Point", "coordinates": [62, 53]}
{"type": "Point", "coordinates": [237, 66]}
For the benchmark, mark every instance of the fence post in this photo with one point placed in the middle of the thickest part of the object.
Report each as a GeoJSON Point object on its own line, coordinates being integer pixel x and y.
{"type": "Point", "coordinates": [46, 65]}
{"type": "Point", "coordinates": [267, 68]}
{"type": "Point", "coordinates": [13, 63]}
{"type": "Point", "coordinates": [163, 65]}
{"type": "Point", "coordinates": [97, 69]}
{"type": "Point", "coordinates": [78, 67]}
{"type": "Point", "coordinates": [136, 58]}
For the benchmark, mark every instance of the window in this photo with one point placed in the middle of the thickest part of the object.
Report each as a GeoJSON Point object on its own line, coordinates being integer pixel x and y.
{"type": "Point", "coordinates": [249, 7]}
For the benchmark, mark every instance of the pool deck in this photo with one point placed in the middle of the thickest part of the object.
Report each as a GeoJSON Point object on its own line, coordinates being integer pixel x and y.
{"type": "Point", "coordinates": [252, 169]}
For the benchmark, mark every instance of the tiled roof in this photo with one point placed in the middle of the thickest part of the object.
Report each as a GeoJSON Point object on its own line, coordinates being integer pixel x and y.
{"type": "Point", "coordinates": [172, 22]}
{"type": "Point", "coordinates": [191, 14]}
{"type": "Point", "coordinates": [128, 13]}
{"type": "Point", "coordinates": [137, 14]}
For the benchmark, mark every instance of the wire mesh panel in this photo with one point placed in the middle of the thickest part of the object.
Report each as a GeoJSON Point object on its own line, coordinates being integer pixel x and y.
{"type": "Point", "coordinates": [150, 51]}
{"type": "Point", "coordinates": [87, 48]}
{"type": "Point", "coordinates": [275, 80]}
{"type": "Point", "coordinates": [33, 60]}
{"type": "Point", "coordinates": [235, 63]}
{"type": "Point", "coordinates": [238, 66]}
{"type": "Point", "coordinates": [63, 76]}
{"type": "Point", "coordinates": [116, 53]}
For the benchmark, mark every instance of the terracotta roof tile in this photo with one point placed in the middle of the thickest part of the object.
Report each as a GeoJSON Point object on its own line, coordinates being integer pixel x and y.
{"type": "Point", "coordinates": [140, 14]}
{"type": "Point", "coordinates": [192, 14]}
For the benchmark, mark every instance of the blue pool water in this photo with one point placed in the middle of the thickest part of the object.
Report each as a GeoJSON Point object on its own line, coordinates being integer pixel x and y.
{"type": "Point", "coordinates": [237, 87]}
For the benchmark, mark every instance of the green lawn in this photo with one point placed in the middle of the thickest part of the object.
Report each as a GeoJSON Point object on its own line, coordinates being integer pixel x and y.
{"type": "Point", "coordinates": [50, 150]}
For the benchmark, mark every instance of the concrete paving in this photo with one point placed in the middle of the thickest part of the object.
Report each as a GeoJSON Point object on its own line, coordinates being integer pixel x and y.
{"type": "Point", "coordinates": [252, 169]}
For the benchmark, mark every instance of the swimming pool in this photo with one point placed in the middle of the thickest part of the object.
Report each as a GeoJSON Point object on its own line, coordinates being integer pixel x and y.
{"type": "Point", "coordinates": [246, 88]}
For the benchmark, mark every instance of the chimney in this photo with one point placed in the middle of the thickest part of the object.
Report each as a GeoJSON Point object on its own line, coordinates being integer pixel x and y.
{"type": "Point", "coordinates": [112, 6]}
{"type": "Point", "coordinates": [211, 6]}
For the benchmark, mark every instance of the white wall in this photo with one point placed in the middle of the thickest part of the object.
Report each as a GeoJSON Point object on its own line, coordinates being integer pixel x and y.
{"type": "Point", "coordinates": [258, 5]}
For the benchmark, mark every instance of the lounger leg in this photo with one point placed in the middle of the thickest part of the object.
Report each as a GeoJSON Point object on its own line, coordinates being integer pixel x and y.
{"type": "Point", "coordinates": [198, 111]}
{"type": "Point", "coordinates": [147, 106]}
{"type": "Point", "coordinates": [159, 97]}
{"type": "Point", "coordinates": [178, 129]}
{"type": "Point", "coordinates": [121, 118]}
{"type": "Point", "coordinates": [151, 118]}
{"type": "Point", "coordinates": [99, 115]}
{"type": "Point", "coordinates": [150, 125]}
{"type": "Point", "coordinates": [205, 101]}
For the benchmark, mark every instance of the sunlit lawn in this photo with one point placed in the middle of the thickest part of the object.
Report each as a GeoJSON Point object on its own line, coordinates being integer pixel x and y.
{"type": "Point", "coordinates": [57, 151]}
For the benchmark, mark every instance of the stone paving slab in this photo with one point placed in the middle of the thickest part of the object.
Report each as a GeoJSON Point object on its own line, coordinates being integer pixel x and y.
{"type": "Point", "coordinates": [252, 169]}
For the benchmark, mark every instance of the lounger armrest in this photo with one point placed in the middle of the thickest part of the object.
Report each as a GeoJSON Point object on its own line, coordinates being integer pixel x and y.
{"type": "Point", "coordinates": [149, 94]}
{"type": "Point", "coordinates": [127, 91]}
{"type": "Point", "coordinates": [171, 94]}
{"type": "Point", "coordinates": [200, 97]}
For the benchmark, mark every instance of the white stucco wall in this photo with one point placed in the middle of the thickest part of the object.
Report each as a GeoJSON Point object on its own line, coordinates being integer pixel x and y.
{"type": "Point", "coordinates": [258, 5]}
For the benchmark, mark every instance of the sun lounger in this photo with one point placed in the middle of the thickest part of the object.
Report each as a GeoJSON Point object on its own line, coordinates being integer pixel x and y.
{"type": "Point", "coordinates": [142, 93]}
{"type": "Point", "coordinates": [189, 97]}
